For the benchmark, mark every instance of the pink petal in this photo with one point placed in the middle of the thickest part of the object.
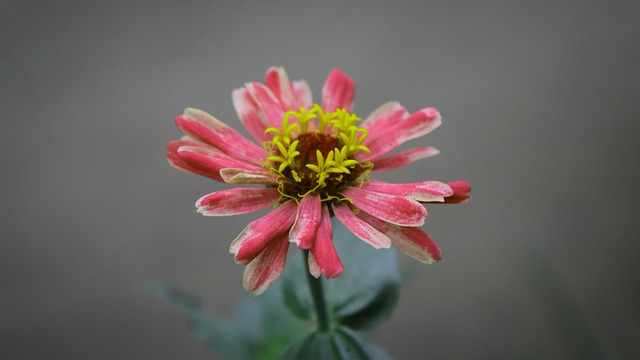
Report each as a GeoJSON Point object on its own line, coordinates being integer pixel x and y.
{"type": "Point", "coordinates": [323, 257]}
{"type": "Point", "coordinates": [266, 267]}
{"type": "Point", "coordinates": [250, 114]}
{"type": "Point", "coordinates": [267, 102]}
{"type": "Point", "coordinates": [303, 231]}
{"type": "Point", "coordinates": [278, 82]}
{"type": "Point", "coordinates": [384, 118]}
{"type": "Point", "coordinates": [404, 158]}
{"type": "Point", "coordinates": [244, 176]}
{"type": "Point", "coordinates": [360, 228]}
{"type": "Point", "coordinates": [302, 94]}
{"type": "Point", "coordinates": [422, 191]}
{"type": "Point", "coordinates": [338, 91]}
{"type": "Point", "coordinates": [259, 233]}
{"type": "Point", "coordinates": [395, 209]}
{"type": "Point", "coordinates": [177, 162]}
{"type": "Point", "coordinates": [410, 240]}
{"type": "Point", "coordinates": [210, 161]}
{"type": "Point", "coordinates": [237, 201]}
{"type": "Point", "coordinates": [204, 127]}
{"type": "Point", "coordinates": [461, 190]}
{"type": "Point", "coordinates": [416, 125]}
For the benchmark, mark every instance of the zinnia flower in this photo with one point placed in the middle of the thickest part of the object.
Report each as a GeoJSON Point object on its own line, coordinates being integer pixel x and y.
{"type": "Point", "coordinates": [314, 162]}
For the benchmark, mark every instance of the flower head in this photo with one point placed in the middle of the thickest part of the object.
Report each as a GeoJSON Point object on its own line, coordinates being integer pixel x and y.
{"type": "Point", "coordinates": [315, 162]}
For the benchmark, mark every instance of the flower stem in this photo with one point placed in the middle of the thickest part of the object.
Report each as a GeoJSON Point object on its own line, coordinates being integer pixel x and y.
{"type": "Point", "coordinates": [317, 294]}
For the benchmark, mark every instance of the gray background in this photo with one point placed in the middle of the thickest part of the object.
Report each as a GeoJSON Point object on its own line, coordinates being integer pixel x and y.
{"type": "Point", "coordinates": [540, 102]}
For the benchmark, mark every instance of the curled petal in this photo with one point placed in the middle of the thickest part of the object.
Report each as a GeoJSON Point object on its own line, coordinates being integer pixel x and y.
{"type": "Point", "coordinates": [209, 161]}
{"type": "Point", "coordinates": [303, 231]}
{"type": "Point", "coordinates": [404, 158]}
{"type": "Point", "coordinates": [267, 102]}
{"type": "Point", "coordinates": [461, 190]}
{"type": "Point", "coordinates": [204, 127]}
{"type": "Point", "coordinates": [245, 176]}
{"type": "Point", "coordinates": [338, 91]}
{"type": "Point", "coordinates": [395, 209]}
{"type": "Point", "coordinates": [266, 267]}
{"type": "Point", "coordinates": [410, 240]}
{"type": "Point", "coordinates": [237, 201]}
{"type": "Point", "coordinates": [360, 228]}
{"type": "Point", "coordinates": [425, 191]}
{"type": "Point", "coordinates": [177, 162]}
{"type": "Point", "coordinates": [323, 257]}
{"type": "Point", "coordinates": [250, 114]}
{"type": "Point", "coordinates": [259, 233]}
{"type": "Point", "coordinates": [416, 125]}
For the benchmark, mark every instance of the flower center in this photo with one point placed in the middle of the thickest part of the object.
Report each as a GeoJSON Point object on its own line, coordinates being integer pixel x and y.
{"type": "Point", "coordinates": [312, 152]}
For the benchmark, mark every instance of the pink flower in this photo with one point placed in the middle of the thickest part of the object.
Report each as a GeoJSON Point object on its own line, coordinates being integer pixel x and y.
{"type": "Point", "coordinates": [315, 162]}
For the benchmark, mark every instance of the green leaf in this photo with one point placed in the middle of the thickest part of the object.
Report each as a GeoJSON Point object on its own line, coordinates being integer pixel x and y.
{"type": "Point", "coordinates": [340, 344]}
{"type": "Point", "coordinates": [377, 310]}
{"type": "Point", "coordinates": [316, 345]}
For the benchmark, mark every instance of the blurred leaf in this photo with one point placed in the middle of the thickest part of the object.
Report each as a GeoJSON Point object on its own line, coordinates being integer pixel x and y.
{"type": "Point", "coordinates": [339, 344]}
{"type": "Point", "coordinates": [295, 288]}
{"type": "Point", "coordinates": [221, 335]}
{"type": "Point", "coordinates": [316, 345]}
{"type": "Point", "coordinates": [377, 310]}
{"type": "Point", "coordinates": [261, 328]}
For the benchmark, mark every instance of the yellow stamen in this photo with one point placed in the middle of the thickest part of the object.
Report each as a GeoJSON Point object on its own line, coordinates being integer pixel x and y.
{"type": "Point", "coordinates": [313, 152]}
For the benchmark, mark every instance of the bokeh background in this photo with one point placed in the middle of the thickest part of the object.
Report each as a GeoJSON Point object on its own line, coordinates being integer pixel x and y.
{"type": "Point", "coordinates": [541, 111]}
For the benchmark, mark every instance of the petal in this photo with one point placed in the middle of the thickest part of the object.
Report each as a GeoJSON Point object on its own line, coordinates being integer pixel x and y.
{"type": "Point", "coordinates": [244, 176]}
{"type": "Point", "coordinates": [461, 190]}
{"type": "Point", "coordinates": [177, 162]}
{"type": "Point", "coordinates": [210, 161]}
{"type": "Point", "coordinates": [338, 92]}
{"type": "Point", "coordinates": [384, 117]}
{"type": "Point", "coordinates": [278, 82]}
{"type": "Point", "coordinates": [237, 201]}
{"type": "Point", "coordinates": [323, 257]}
{"type": "Point", "coordinates": [204, 127]}
{"type": "Point", "coordinates": [267, 102]}
{"type": "Point", "coordinates": [416, 125]}
{"type": "Point", "coordinates": [360, 228]}
{"type": "Point", "coordinates": [422, 191]}
{"type": "Point", "coordinates": [302, 93]}
{"type": "Point", "coordinates": [303, 231]}
{"type": "Point", "coordinates": [259, 233]}
{"type": "Point", "coordinates": [404, 158]}
{"type": "Point", "coordinates": [410, 240]}
{"type": "Point", "coordinates": [266, 267]}
{"type": "Point", "coordinates": [395, 209]}
{"type": "Point", "coordinates": [250, 114]}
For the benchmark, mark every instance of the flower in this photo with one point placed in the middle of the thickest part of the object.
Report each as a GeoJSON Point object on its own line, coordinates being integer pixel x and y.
{"type": "Point", "coordinates": [314, 162]}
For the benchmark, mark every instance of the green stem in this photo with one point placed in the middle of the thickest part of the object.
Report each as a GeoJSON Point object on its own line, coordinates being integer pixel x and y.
{"type": "Point", "coordinates": [315, 285]}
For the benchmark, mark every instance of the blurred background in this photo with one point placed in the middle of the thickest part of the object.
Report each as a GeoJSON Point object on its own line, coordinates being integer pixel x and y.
{"type": "Point", "coordinates": [541, 110]}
